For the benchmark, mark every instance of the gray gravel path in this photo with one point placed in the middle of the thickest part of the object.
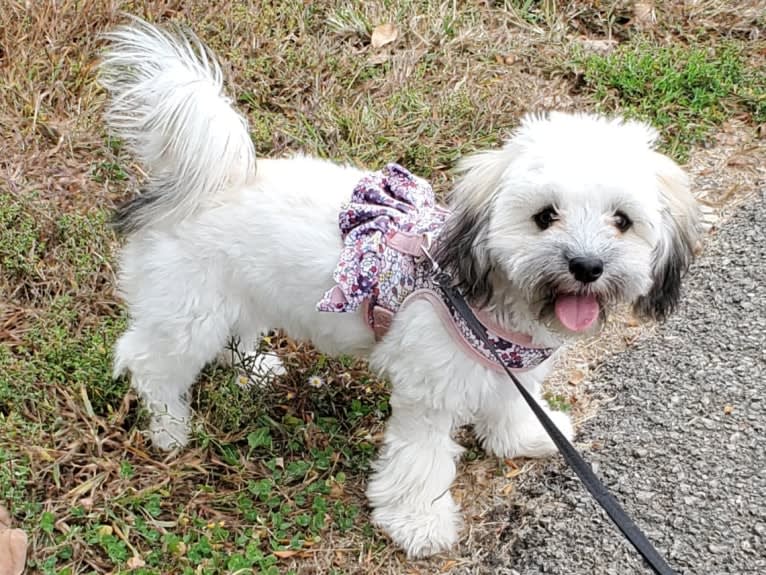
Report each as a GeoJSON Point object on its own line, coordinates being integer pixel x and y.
{"type": "Point", "coordinates": [691, 473]}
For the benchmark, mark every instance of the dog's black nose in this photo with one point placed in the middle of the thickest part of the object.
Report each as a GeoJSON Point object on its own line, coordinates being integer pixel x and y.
{"type": "Point", "coordinates": [586, 269]}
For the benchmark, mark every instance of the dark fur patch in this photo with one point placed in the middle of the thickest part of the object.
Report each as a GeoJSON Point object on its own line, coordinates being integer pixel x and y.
{"type": "Point", "coordinates": [456, 254]}
{"type": "Point", "coordinates": [128, 215]}
{"type": "Point", "coordinates": [665, 294]}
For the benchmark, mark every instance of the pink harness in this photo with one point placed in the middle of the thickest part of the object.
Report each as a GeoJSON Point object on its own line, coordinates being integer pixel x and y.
{"type": "Point", "coordinates": [391, 218]}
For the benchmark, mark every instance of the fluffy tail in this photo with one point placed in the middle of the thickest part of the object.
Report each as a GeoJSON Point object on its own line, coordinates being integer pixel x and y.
{"type": "Point", "coordinates": [167, 104]}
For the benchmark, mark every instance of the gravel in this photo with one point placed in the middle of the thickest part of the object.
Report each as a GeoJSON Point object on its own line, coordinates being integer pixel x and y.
{"type": "Point", "coordinates": [680, 438]}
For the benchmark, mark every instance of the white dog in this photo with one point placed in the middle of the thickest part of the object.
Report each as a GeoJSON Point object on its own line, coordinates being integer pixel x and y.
{"type": "Point", "coordinates": [574, 214]}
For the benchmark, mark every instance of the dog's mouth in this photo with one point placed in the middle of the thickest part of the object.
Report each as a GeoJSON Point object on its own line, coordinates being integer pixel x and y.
{"type": "Point", "coordinates": [577, 312]}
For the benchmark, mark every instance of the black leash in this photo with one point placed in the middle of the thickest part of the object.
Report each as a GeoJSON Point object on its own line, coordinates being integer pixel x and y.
{"type": "Point", "coordinates": [592, 483]}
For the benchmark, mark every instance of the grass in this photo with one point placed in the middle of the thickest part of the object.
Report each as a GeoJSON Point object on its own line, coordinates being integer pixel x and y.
{"type": "Point", "coordinates": [684, 91]}
{"type": "Point", "coordinates": [274, 479]}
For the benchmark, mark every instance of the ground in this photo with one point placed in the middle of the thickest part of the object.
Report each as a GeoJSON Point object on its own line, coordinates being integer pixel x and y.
{"type": "Point", "coordinates": [273, 481]}
{"type": "Point", "coordinates": [677, 437]}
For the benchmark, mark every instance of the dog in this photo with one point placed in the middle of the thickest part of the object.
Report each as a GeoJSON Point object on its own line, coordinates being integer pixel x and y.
{"type": "Point", "coordinates": [573, 215]}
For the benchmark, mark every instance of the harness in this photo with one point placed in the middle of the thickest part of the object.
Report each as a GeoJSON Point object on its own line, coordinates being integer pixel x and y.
{"type": "Point", "coordinates": [387, 227]}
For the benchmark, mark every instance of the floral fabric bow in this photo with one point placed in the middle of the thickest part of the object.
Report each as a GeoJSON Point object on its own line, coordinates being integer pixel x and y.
{"type": "Point", "coordinates": [385, 205]}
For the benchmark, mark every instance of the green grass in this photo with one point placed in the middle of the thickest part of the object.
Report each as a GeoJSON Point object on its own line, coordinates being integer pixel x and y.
{"type": "Point", "coordinates": [20, 244]}
{"type": "Point", "coordinates": [683, 91]}
{"type": "Point", "coordinates": [273, 481]}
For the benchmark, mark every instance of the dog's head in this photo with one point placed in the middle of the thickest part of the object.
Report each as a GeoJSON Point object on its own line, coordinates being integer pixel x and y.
{"type": "Point", "coordinates": [574, 214]}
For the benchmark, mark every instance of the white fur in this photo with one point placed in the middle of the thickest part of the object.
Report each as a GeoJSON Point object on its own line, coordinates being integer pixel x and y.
{"type": "Point", "coordinates": [245, 252]}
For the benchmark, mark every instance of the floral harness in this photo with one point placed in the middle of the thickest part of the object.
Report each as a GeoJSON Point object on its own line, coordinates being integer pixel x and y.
{"type": "Point", "coordinates": [391, 220]}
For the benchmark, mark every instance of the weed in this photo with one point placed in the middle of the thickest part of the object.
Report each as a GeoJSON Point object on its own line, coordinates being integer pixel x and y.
{"type": "Point", "coordinates": [21, 246]}
{"type": "Point", "coordinates": [558, 402]}
{"type": "Point", "coordinates": [683, 91]}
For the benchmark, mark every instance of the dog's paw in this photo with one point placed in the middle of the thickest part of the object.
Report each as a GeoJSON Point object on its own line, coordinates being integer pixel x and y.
{"type": "Point", "coordinates": [255, 367]}
{"type": "Point", "coordinates": [538, 443]}
{"type": "Point", "coordinates": [527, 438]}
{"type": "Point", "coordinates": [168, 433]}
{"type": "Point", "coordinates": [421, 532]}
{"type": "Point", "coordinates": [535, 441]}
{"type": "Point", "coordinates": [267, 366]}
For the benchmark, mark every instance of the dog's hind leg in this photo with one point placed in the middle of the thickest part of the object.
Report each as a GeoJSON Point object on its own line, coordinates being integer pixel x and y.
{"type": "Point", "coordinates": [164, 351]}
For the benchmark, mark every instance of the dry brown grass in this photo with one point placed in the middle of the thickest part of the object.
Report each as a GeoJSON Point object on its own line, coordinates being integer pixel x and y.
{"type": "Point", "coordinates": [74, 467]}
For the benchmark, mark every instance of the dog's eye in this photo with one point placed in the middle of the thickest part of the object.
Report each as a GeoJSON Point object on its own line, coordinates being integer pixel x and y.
{"type": "Point", "coordinates": [545, 217]}
{"type": "Point", "coordinates": [622, 222]}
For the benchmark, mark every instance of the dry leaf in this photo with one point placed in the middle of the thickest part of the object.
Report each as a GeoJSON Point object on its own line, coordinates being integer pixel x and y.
{"type": "Point", "coordinates": [136, 562]}
{"type": "Point", "coordinates": [336, 491]}
{"type": "Point", "coordinates": [384, 34]}
{"type": "Point", "coordinates": [577, 376]}
{"type": "Point", "coordinates": [287, 553]}
{"type": "Point", "coordinates": [507, 489]}
{"type": "Point", "coordinates": [449, 565]}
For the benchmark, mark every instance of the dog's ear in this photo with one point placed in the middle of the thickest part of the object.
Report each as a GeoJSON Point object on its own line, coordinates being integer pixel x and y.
{"type": "Point", "coordinates": [680, 237]}
{"type": "Point", "coordinates": [462, 248]}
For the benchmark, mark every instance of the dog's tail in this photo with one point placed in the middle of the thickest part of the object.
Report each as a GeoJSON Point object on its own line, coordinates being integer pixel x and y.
{"type": "Point", "coordinates": [167, 104]}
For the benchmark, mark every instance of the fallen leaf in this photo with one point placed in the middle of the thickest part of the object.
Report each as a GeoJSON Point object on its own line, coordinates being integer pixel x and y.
{"type": "Point", "coordinates": [336, 491]}
{"type": "Point", "coordinates": [136, 562]}
{"type": "Point", "coordinates": [285, 554]}
{"type": "Point", "coordinates": [577, 376]}
{"type": "Point", "coordinates": [507, 489]}
{"type": "Point", "coordinates": [449, 565]}
{"type": "Point", "coordinates": [384, 34]}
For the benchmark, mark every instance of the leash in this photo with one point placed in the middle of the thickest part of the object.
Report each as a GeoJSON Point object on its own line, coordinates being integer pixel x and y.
{"type": "Point", "coordinates": [583, 470]}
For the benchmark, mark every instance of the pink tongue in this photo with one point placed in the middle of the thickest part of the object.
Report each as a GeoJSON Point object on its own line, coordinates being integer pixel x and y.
{"type": "Point", "coordinates": [577, 312]}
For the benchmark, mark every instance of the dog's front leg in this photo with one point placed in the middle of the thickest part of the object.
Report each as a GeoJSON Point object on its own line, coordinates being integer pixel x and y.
{"type": "Point", "coordinates": [409, 491]}
{"type": "Point", "coordinates": [507, 427]}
